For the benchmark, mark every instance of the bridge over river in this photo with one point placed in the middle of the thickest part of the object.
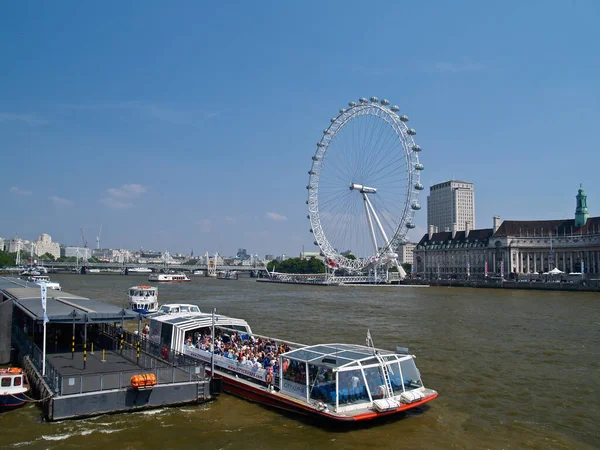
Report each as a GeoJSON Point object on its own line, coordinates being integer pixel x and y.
{"type": "Point", "coordinates": [256, 267]}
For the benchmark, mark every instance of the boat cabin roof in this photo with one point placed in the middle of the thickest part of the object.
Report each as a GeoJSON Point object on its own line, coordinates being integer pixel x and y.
{"type": "Point", "coordinates": [343, 355]}
{"type": "Point", "coordinates": [192, 321]}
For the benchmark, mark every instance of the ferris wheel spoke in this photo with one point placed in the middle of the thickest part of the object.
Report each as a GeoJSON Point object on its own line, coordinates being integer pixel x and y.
{"type": "Point", "coordinates": [361, 184]}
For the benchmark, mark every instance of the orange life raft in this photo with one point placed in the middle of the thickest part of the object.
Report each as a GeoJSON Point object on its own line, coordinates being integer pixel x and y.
{"type": "Point", "coordinates": [143, 381]}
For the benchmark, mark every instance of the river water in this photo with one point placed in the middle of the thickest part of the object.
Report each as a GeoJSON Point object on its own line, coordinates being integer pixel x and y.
{"type": "Point", "coordinates": [514, 369]}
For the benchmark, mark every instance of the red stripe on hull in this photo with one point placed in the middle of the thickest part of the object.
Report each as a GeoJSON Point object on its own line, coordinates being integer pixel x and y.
{"type": "Point", "coordinates": [261, 395]}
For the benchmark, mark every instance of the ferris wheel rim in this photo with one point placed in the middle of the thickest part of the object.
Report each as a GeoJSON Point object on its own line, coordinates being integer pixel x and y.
{"type": "Point", "coordinates": [404, 134]}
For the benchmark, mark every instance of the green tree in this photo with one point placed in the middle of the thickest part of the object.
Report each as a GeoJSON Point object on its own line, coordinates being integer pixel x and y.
{"type": "Point", "coordinates": [47, 257]}
{"type": "Point", "coordinates": [407, 267]}
{"type": "Point", "coordinates": [297, 265]}
{"type": "Point", "coordinates": [7, 259]}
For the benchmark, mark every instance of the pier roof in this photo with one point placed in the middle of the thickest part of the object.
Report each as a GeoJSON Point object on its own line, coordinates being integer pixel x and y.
{"type": "Point", "coordinates": [61, 307]}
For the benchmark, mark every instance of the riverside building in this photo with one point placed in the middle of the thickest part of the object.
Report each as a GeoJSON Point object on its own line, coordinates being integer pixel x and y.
{"type": "Point", "coordinates": [451, 202]}
{"type": "Point", "coordinates": [514, 247]}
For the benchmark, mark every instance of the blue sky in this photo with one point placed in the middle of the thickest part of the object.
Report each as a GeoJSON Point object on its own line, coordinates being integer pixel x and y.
{"type": "Point", "coordinates": [193, 126]}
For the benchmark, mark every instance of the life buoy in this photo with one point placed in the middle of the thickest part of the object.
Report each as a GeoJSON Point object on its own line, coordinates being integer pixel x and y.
{"type": "Point", "coordinates": [15, 370]}
{"type": "Point", "coordinates": [269, 378]}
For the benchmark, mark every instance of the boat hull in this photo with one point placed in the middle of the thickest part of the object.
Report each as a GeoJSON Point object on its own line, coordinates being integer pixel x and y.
{"type": "Point", "coordinates": [8, 402]}
{"type": "Point", "coordinates": [260, 394]}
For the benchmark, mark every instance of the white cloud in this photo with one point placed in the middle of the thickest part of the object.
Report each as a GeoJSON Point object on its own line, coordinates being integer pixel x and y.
{"type": "Point", "coordinates": [30, 119]}
{"type": "Point", "coordinates": [60, 201]}
{"type": "Point", "coordinates": [17, 190]}
{"type": "Point", "coordinates": [458, 67]}
{"type": "Point", "coordinates": [204, 226]}
{"type": "Point", "coordinates": [122, 197]}
{"type": "Point", "coordinates": [275, 216]}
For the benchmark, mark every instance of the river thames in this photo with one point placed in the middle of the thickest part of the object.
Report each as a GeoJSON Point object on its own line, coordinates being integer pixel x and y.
{"type": "Point", "coordinates": [514, 369]}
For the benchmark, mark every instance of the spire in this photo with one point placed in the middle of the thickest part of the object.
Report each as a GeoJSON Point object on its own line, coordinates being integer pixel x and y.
{"type": "Point", "coordinates": [581, 212]}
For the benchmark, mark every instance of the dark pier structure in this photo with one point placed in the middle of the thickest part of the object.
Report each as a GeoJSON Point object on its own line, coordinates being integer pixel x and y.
{"type": "Point", "coordinates": [90, 358]}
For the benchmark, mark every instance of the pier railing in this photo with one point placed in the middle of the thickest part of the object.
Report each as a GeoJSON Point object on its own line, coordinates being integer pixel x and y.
{"type": "Point", "coordinates": [93, 381]}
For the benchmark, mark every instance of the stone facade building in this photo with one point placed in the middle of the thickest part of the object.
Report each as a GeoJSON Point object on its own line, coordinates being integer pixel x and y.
{"type": "Point", "coordinates": [451, 203]}
{"type": "Point", "coordinates": [513, 248]}
{"type": "Point", "coordinates": [45, 245]}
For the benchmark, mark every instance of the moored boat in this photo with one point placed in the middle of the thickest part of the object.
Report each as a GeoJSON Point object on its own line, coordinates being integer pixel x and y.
{"type": "Point", "coordinates": [45, 279]}
{"type": "Point", "coordinates": [338, 382]}
{"type": "Point", "coordinates": [13, 387]}
{"type": "Point", "coordinates": [227, 275]}
{"type": "Point", "coordinates": [139, 270]}
{"type": "Point", "coordinates": [143, 299]}
{"type": "Point", "coordinates": [169, 277]}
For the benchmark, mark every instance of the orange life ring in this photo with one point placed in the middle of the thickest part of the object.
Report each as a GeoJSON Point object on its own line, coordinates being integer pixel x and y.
{"type": "Point", "coordinates": [269, 378]}
{"type": "Point", "coordinates": [15, 370]}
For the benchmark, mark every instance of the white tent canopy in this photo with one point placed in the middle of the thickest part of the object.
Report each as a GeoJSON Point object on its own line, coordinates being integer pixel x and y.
{"type": "Point", "coordinates": [555, 271]}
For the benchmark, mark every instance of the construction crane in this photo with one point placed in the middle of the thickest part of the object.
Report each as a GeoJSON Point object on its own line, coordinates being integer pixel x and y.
{"type": "Point", "coordinates": [83, 239]}
{"type": "Point", "coordinates": [98, 238]}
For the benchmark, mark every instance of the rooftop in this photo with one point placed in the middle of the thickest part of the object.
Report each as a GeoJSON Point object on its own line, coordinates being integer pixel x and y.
{"type": "Point", "coordinates": [61, 307]}
{"type": "Point", "coordinates": [341, 355]}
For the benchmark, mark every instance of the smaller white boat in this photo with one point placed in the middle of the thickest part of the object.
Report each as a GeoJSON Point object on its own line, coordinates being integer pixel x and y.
{"type": "Point", "coordinates": [45, 279]}
{"type": "Point", "coordinates": [198, 272]}
{"type": "Point", "coordinates": [227, 275]}
{"type": "Point", "coordinates": [143, 299]}
{"type": "Point", "coordinates": [169, 277]}
{"type": "Point", "coordinates": [139, 270]}
{"type": "Point", "coordinates": [93, 270]}
{"type": "Point", "coordinates": [178, 308]}
{"type": "Point", "coordinates": [13, 388]}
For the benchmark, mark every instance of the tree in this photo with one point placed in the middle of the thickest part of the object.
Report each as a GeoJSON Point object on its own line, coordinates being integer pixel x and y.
{"type": "Point", "coordinates": [407, 267]}
{"type": "Point", "coordinates": [297, 265]}
{"type": "Point", "coordinates": [7, 259]}
{"type": "Point", "coordinates": [47, 257]}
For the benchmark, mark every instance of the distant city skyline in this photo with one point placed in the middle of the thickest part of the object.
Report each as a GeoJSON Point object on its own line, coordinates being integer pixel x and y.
{"type": "Point", "coordinates": [194, 127]}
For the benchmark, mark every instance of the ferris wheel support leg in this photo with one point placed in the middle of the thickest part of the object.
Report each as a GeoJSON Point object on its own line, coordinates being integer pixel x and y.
{"type": "Point", "coordinates": [387, 242]}
{"type": "Point", "coordinates": [370, 220]}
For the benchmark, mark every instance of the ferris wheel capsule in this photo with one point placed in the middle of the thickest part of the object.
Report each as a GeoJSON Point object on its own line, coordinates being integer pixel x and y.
{"type": "Point", "coordinates": [320, 144]}
{"type": "Point", "coordinates": [374, 99]}
{"type": "Point", "coordinates": [315, 158]}
{"type": "Point", "coordinates": [395, 108]}
{"type": "Point", "coordinates": [411, 131]}
{"type": "Point", "coordinates": [352, 104]}
{"type": "Point", "coordinates": [419, 186]}
{"type": "Point", "coordinates": [415, 206]}
{"type": "Point", "coordinates": [342, 111]}
{"type": "Point", "coordinates": [404, 118]}
{"type": "Point", "coordinates": [384, 102]}
{"type": "Point", "coordinates": [410, 225]}
{"type": "Point", "coordinates": [333, 119]}
{"type": "Point", "coordinates": [419, 166]}
{"type": "Point", "coordinates": [363, 100]}
{"type": "Point", "coordinates": [416, 148]}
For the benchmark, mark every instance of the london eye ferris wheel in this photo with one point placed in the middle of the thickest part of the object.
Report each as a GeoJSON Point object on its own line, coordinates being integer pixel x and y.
{"type": "Point", "coordinates": [363, 186]}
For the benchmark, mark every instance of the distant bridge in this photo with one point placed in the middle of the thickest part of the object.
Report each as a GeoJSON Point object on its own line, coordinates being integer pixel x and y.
{"type": "Point", "coordinates": [155, 267]}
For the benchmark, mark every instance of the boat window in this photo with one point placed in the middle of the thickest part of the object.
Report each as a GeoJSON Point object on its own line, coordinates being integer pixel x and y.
{"type": "Point", "coordinates": [352, 387]}
{"type": "Point", "coordinates": [322, 384]}
{"type": "Point", "coordinates": [375, 383]}
{"type": "Point", "coordinates": [5, 382]}
{"type": "Point", "coordinates": [412, 378]}
{"type": "Point", "coordinates": [17, 381]}
{"type": "Point", "coordinates": [196, 309]}
{"type": "Point", "coordinates": [185, 309]}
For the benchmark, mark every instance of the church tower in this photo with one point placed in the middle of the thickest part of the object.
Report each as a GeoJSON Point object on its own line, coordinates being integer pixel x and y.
{"type": "Point", "coordinates": [581, 212]}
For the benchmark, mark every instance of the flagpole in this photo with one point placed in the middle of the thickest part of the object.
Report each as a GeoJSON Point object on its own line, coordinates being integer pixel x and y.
{"type": "Point", "coordinates": [45, 319]}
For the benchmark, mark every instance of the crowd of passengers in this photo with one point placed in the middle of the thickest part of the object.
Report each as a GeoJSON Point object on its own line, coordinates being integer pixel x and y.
{"type": "Point", "coordinates": [243, 348]}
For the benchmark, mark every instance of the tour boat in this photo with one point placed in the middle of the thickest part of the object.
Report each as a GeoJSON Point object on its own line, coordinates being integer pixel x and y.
{"type": "Point", "coordinates": [169, 277]}
{"type": "Point", "coordinates": [227, 275]}
{"type": "Point", "coordinates": [139, 270]}
{"type": "Point", "coordinates": [345, 382]}
{"type": "Point", "coordinates": [45, 279]}
{"type": "Point", "coordinates": [143, 299]}
{"type": "Point", "coordinates": [13, 386]}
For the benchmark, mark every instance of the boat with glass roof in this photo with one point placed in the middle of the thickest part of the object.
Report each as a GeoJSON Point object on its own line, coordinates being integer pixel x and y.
{"type": "Point", "coordinates": [338, 382]}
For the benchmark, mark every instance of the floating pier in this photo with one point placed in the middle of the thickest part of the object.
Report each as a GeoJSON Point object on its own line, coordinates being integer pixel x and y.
{"type": "Point", "coordinates": [90, 359]}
